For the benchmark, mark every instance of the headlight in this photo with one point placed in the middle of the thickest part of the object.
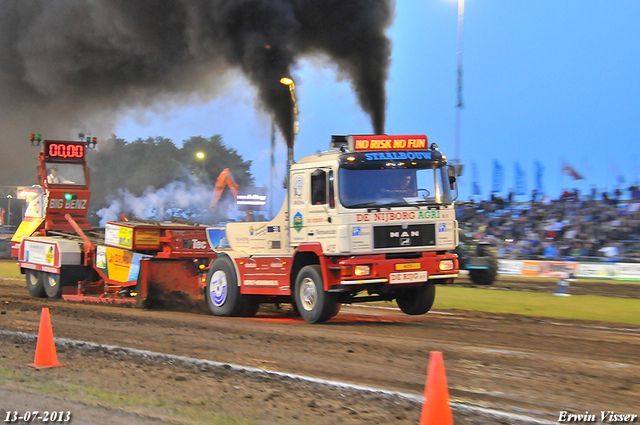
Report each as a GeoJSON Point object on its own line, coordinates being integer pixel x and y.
{"type": "Point", "coordinates": [362, 270]}
{"type": "Point", "coordinates": [446, 265]}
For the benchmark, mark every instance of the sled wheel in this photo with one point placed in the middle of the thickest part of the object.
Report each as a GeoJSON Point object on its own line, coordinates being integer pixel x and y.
{"type": "Point", "coordinates": [35, 283]}
{"type": "Point", "coordinates": [52, 285]}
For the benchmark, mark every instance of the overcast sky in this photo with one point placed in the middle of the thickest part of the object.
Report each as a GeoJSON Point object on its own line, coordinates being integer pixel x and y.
{"type": "Point", "coordinates": [553, 81]}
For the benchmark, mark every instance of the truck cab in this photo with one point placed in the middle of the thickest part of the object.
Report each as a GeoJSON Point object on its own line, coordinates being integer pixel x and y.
{"type": "Point", "coordinates": [355, 202]}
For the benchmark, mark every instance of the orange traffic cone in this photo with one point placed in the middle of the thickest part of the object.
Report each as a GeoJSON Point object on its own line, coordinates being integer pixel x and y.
{"type": "Point", "coordinates": [435, 407]}
{"type": "Point", "coordinates": [45, 349]}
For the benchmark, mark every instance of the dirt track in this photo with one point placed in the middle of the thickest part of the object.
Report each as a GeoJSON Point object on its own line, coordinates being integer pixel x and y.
{"type": "Point", "coordinates": [514, 364]}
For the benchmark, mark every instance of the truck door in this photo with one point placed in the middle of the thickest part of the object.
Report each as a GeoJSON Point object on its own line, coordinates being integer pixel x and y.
{"type": "Point", "coordinates": [322, 209]}
{"type": "Point", "coordinates": [313, 204]}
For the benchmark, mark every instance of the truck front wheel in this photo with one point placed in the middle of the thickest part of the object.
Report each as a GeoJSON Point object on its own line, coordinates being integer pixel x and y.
{"type": "Point", "coordinates": [314, 303]}
{"type": "Point", "coordinates": [416, 301]}
{"type": "Point", "coordinates": [35, 283]}
{"type": "Point", "coordinates": [223, 293]}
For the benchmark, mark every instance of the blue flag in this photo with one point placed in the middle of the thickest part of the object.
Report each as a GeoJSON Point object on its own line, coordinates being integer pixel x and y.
{"type": "Point", "coordinates": [521, 188]}
{"type": "Point", "coordinates": [539, 171]}
{"type": "Point", "coordinates": [498, 177]}
{"type": "Point", "coordinates": [476, 184]}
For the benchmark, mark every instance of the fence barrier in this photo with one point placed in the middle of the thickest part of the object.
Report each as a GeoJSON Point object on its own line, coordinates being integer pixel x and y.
{"type": "Point", "coordinates": [557, 269]}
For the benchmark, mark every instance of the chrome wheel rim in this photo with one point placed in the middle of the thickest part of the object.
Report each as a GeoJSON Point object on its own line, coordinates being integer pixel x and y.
{"type": "Point", "coordinates": [218, 288]}
{"type": "Point", "coordinates": [32, 278]}
{"type": "Point", "coordinates": [308, 294]}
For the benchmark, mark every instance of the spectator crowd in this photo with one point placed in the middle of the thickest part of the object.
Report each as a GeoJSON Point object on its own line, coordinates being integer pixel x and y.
{"type": "Point", "coordinates": [596, 227]}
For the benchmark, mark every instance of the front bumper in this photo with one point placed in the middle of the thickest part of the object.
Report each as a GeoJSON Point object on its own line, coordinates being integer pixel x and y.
{"type": "Point", "coordinates": [388, 274]}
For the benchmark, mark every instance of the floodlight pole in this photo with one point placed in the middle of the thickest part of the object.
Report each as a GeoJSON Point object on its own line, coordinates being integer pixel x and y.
{"type": "Point", "coordinates": [459, 104]}
{"type": "Point", "coordinates": [273, 167]}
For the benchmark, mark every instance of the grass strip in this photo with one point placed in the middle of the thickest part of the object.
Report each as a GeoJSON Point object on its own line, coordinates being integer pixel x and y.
{"type": "Point", "coordinates": [577, 307]}
{"type": "Point", "coordinates": [187, 415]}
{"type": "Point", "coordinates": [9, 269]}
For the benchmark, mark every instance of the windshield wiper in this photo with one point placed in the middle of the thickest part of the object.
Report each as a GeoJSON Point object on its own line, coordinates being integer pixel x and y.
{"type": "Point", "coordinates": [372, 206]}
{"type": "Point", "coordinates": [399, 204]}
{"type": "Point", "coordinates": [429, 203]}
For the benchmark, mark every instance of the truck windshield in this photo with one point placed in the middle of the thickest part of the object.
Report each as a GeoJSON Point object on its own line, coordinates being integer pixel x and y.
{"type": "Point", "coordinates": [65, 174]}
{"type": "Point", "coordinates": [394, 187]}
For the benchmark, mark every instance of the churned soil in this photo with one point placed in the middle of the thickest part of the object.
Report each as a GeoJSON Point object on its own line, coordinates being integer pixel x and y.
{"type": "Point", "coordinates": [497, 366]}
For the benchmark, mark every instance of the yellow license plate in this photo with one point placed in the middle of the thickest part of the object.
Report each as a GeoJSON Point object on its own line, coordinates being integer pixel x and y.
{"type": "Point", "coordinates": [408, 266]}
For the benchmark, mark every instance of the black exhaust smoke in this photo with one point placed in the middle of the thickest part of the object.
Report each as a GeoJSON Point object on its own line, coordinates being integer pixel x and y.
{"type": "Point", "coordinates": [77, 64]}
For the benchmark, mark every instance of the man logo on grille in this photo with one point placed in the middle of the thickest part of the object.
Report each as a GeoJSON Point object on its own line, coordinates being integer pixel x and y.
{"type": "Point", "coordinates": [404, 234]}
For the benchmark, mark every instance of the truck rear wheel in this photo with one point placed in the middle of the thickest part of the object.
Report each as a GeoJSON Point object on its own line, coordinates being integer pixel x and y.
{"type": "Point", "coordinates": [223, 293]}
{"type": "Point", "coordinates": [314, 303]}
{"type": "Point", "coordinates": [35, 283]}
{"type": "Point", "coordinates": [416, 301]}
{"type": "Point", "coordinates": [52, 285]}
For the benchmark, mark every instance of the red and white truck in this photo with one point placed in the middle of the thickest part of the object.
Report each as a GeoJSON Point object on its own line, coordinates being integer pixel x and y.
{"type": "Point", "coordinates": [371, 219]}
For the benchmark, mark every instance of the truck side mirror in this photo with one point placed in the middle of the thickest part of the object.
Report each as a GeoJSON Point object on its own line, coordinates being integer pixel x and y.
{"type": "Point", "coordinates": [453, 181]}
{"type": "Point", "coordinates": [451, 172]}
{"type": "Point", "coordinates": [458, 169]}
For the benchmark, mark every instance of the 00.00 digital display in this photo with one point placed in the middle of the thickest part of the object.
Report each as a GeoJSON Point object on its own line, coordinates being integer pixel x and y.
{"type": "Point", "coordinates": [65, 150]}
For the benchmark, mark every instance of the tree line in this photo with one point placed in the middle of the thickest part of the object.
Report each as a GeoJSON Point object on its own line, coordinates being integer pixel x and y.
{"type": "Point", "coordinates": [154, 162]}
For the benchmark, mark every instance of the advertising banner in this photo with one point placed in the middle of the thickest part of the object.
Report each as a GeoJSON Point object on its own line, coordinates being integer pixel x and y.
{"type": "Point", "coordinates": [531, 268]}
{"type": "Point", "coordinates": [510, 267]}
{"type": "Point", "coordinates": [595, 270]}
{"type": "Point", "coordinates": [627, 271]}
{"type": "Point", "coordinates": [557, 268]}
{"type": "Point", "coordinates": [561, 269]}
{"type": "Point", "coordinates": [548, 268]}
{"type": "Point", "coordinates": [40, 253]}
{"type": "Point", "coordinates": [118, 264]}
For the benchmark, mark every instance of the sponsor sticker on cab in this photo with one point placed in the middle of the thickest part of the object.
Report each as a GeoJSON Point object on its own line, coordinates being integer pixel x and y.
{"type": "Point", "coordinates": [408, 277]}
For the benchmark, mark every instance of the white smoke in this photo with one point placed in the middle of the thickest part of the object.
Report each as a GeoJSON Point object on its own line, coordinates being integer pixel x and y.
{"type": "Point", "coordinates": [188, 201]}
